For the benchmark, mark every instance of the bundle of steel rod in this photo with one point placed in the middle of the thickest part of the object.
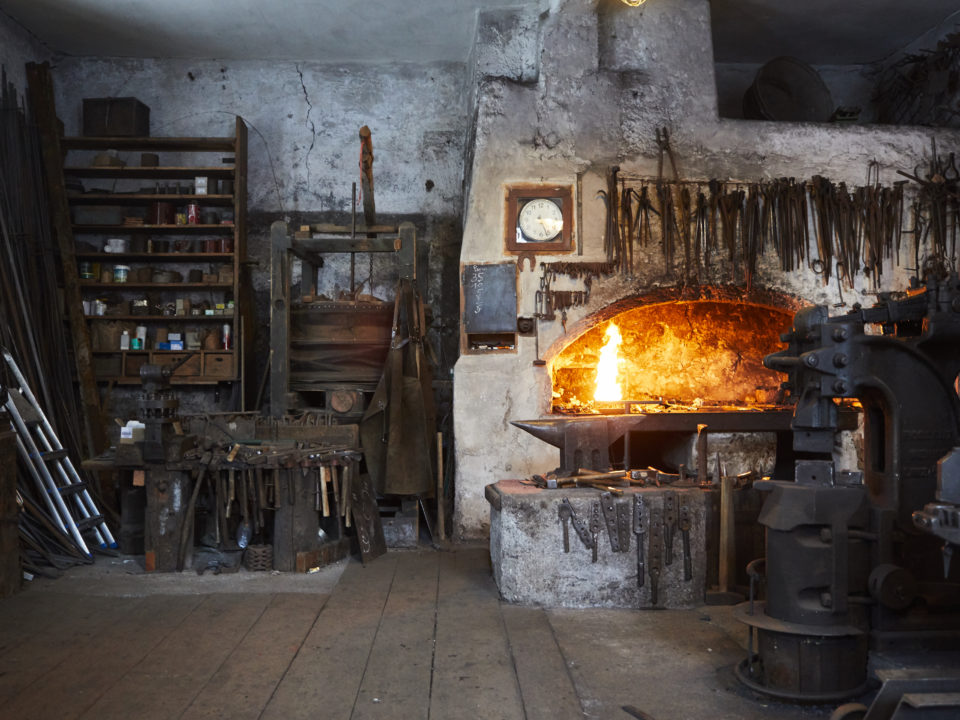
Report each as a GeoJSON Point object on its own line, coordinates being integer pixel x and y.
{"type": "Point", "coordinates": [724, 228]}
{"type": "Point", "coordinates": [32, 325]}
{"type": "Point", "coordinates": [44, 548]}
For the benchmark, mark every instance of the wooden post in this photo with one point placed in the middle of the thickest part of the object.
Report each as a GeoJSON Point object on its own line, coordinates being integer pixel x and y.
{"type": "Point", "coordinates": [279, 318]}
{"type": "Point", "coordinates": [45, 114]}
{"type": "Point", "coordinates": [366, 176]}
{"type": "Point", "coordinates": [441, 519]}
{"type": "Point", "coordinates": [727, 545]}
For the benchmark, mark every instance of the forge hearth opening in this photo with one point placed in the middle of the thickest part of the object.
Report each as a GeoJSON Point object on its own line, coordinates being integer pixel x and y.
{"type": "Point", "coordinates": [687, 353]}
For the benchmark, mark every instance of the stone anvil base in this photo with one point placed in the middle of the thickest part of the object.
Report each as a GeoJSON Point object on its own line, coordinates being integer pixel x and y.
{"type": "Point", "coordinates": [530, 566]}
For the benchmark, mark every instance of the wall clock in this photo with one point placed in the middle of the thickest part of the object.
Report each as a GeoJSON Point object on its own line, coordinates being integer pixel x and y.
{"type": "Point", "coordinates": [539, 218]}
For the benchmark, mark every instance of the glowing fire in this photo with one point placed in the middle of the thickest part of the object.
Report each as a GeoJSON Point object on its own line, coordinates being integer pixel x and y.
{"type": "Point", "coordinates": [689, 353]}
{"type": "Point", "coordinates": [608, 367]}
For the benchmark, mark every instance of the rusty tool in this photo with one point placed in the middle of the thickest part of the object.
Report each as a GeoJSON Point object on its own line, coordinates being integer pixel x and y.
{"type": "Point", "coordinates": [325, 501]}
{"type": "Point", "coordinates": [565, 513]}
{"type": "Point", "coordinates": [583, 532]}
{"type": "Point", "coordinates": [609, 508]}
{"type": "Point", "coordinates": [654, 553]}
{"type": "Point", "coordinates": [685, 524]}
{"type": "Point", "coordinates": [231, 474]}
{"type": "Point", "coordinates": [623, 525]}
{"type": "Point", "coordinates": [639, 530]}
{"type": "Point", "coordinates": [595, 529]}
{"type": "Point", "coordinates": [669, 523]}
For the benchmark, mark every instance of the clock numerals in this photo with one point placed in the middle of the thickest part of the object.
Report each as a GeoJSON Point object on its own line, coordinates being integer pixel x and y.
{"type": "Point", "coordinates": [540, 220]}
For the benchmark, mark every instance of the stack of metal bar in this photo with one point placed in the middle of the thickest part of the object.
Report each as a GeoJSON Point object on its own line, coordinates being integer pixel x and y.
{"type": "Point", "coordinates": [32, 324]}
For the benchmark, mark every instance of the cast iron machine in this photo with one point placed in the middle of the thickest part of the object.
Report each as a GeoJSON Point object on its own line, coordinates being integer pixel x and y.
{"type": "Point", "coordinates": [857, 562]}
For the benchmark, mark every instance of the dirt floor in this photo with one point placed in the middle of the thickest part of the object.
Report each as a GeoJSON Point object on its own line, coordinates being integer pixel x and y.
{"type": "Point", "coordinates": [415, 634]}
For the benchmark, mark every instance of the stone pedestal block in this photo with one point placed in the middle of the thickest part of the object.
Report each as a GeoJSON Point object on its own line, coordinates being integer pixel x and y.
{"type": "Point", "coordinates": [531, 567]}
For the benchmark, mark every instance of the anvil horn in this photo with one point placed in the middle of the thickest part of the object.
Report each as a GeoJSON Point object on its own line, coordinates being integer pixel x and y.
{"type": "Point", "coordinates": [550, 431]}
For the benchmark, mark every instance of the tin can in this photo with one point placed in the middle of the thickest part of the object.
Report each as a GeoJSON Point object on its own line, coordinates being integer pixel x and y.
{"type": "Point", "coordinates": [227, 336]}
{"type": "Point", "coordinates": [193, 214]}
{"type": "Point", "coordinates": [86, 270]}
{"type": "Point", "coordinates": [181, 218]}
{"type": "Point", "coordinates": [120, 273]}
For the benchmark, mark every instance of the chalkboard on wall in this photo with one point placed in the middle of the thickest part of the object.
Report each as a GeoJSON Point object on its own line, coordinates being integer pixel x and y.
{"type": "Point", "coordinates": [490, 298]}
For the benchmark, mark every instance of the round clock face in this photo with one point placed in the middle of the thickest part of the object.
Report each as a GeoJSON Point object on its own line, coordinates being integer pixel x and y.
{"type": "Point", "coordinates": [541, 220]}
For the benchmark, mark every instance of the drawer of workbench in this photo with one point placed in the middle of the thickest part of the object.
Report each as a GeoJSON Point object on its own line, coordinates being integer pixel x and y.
{"type": "Point", "coordinates": [218, 364]}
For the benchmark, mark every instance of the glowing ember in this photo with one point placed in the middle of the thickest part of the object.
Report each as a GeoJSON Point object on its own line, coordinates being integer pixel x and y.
{"type": "Point", "coordinates": [608, 368]}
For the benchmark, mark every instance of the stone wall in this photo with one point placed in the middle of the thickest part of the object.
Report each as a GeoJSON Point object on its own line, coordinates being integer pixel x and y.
{"type": "Point", "coordinates": [609, 76]}
{"type": "Point", "coordinates": [17, 48]}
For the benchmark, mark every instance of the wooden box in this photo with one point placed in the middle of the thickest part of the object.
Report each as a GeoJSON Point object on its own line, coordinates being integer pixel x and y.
{"type": "Point", "coordinates": [115, 117]}
{"type": "Point", "coordinates": [107, 365]}
{"type": "Point", "coordinates": [218, 364]}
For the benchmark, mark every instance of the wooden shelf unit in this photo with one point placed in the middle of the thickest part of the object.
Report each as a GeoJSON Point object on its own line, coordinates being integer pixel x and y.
{"type": "Point", "coordinates": [207, 367]}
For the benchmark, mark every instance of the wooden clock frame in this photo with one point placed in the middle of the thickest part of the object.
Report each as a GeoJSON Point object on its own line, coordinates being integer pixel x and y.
{"type": "Point", "coordinates": [516, 196]}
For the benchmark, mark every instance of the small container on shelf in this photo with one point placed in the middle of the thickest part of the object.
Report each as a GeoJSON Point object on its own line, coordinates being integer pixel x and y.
{"type": "Point", "coordinates": [116, 245]}
{"type": "Point", "coordinates": [120, 273]}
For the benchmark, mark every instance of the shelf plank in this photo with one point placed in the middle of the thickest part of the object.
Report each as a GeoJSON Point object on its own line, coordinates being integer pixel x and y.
{"type": "Point", "coordinates": [170, 144]}
{"type": "Point", "coordinates": [158, 229]}
{"type": "Point", "coordinates": [142, 198]}
{"type": "Point", "coordinates": [149, 173]}
{"type": "Point", "coordinates": [187, 257]}
{"type": "Point", "coordinates": [163, 352]}
{"type": "Point", "coordinates": [153, 285]}
{"type": "Point", "coordinates": [166, 318]}
{"type": "Point", "coordinates": [174, 379]}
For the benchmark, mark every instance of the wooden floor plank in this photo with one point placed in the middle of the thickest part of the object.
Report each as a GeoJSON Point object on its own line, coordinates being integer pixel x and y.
{"type": "Point", "coordinates": [244, 683]}
{"type": "Point", "coordinates": [71, 624]}
{"type": "Point", "coordinates": [396, 682]}
{"type": "Point", "coordinates": [545, 684]}
{"type": "Point", "coordinates": [74, 685]}
{"type": "Point", "coordinates": [168, 678]}
{"type": "Point", "coordinates": [324, 678]}
{"type": "Point", "coordinates": [473, 672]}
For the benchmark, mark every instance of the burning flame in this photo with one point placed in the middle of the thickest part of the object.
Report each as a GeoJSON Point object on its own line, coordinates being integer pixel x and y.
{"type": "Point", "coordinates": [608, 367]}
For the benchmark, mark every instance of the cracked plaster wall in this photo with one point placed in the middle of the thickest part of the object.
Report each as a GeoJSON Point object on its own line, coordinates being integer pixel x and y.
{"type": "Point", "coordinates": [609, 76]}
